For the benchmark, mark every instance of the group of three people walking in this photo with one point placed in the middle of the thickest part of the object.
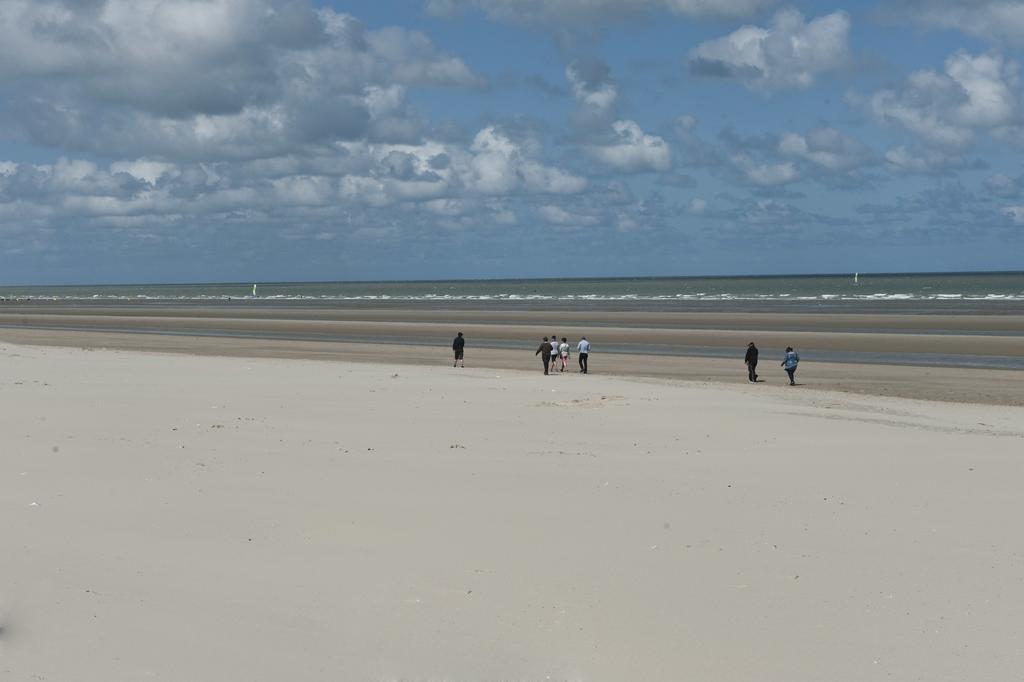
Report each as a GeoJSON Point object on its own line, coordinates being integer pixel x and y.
{"type": "Point", "coordinates": [550, 351]}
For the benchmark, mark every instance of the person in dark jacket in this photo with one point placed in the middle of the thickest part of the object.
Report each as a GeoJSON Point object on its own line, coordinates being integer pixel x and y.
{"type": "Point", "coordinates": [459, 348]}
{"type": "Point", "coordinates": [544, 351]}
{"type": "Point", "coordinates": [751, 361]}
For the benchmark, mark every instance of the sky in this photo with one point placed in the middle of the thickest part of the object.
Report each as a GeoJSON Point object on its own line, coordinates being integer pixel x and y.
{"type": "Point", "coordinates": [290, 140]}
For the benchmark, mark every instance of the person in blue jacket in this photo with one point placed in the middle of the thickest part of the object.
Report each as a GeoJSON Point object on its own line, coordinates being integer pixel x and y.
{"type": "Point", "coordinates": [789, 363]}
{"type": "Point", "coordinates": [583, 353]}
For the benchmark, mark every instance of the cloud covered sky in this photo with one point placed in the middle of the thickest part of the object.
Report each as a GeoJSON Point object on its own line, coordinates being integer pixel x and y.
{"type": "Point", "coordinates": [240, 140]}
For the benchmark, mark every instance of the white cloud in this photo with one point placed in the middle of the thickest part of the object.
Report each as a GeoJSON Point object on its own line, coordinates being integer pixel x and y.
{"type": "Point", "coordinates": [411, 59]}
{"type": "Point", "coordinates": [698, 206]}
{"type": "Point", "coordinates": [494, 166]}
{"type": "Point", "coordinates": [1015, 213]}
{"type": "Point", "coordinates": [765, 174]}
{"type": "Point", "coordinates": [592, 84]}
{"type": "Point", "coordinates": [144, 169]}
{"type": "Point", "coordinates": [559, 216]}
{"type": "Point", "coordinates": [1002, 185]}
{"type": "Point", "coordinates": [188, 80]}
{"type": "Point", "coordinates": [685, 125]}
{"type": "Point", "coordinates": [382, 174]}
{"type": "Point", "coordinates": [120, 47]}
{"type": "Point", "coordinates": [632, 150]}
{"type": "Point", "coordinates": [504, 217]}
{"type": "Point", "coordinates": [626, 223]}
{"type": "Point", "coordinates": [446, 207]}
{"type": "Point", "coordinates": [989, 83]}
{"type": "Point", "coordinates": [471, 213]}
{"type": "Point", "coordinates": [973, 93]}
{"type": "Point", "coordinates": [497, 165]}
{"type": "Point", "coordinates": [1000, 21]}
{"type": "Point", "coordinates": [827, 148]}
{"type": "Point", "coordinates": [902, 159]}
{"type": "Point", "coordinates": [789, 54]}
{"type": "Point", "coordinates": [773, 213]}
{"type": "Point", "coordinates": [576, 13]}
{"type": "Point", "coordinates": [446, 179]}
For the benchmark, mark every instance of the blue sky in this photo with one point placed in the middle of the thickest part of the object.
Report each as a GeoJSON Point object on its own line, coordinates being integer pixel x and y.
{"type": "Point", "coordinates": [241, 140]}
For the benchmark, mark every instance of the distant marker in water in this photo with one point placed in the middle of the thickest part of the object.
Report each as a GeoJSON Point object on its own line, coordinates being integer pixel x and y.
{"type": "Point", "coordinates": [855, 281]}
{"type": "Point", "coordinates": [254, 291]}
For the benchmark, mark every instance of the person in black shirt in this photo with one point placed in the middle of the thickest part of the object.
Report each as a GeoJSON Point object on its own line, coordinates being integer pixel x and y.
{"type": "Point", "coordinates": [544, 351]}
{"type": "Point", "coordinates": [459, 347]}
{"type": "Point", "coordinates": [751, 361]}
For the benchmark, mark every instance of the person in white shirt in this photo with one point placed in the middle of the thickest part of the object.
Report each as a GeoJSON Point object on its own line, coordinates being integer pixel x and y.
{"type": "Point", "coordinates": [563, 353]}
{"type": "Point", "coordinates": [582, 353]}
{"type": "Point", "coordinates": [554, 351]}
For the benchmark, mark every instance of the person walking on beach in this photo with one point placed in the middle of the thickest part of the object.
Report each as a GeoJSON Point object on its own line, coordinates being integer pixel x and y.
{"type": "Point", "coordinates": [554, 351]}
{"type": "Point", "coordinates": [790, 363]}
{"type": "Point", "coordinates": [544, 351]}
{"type": "Point", "coordinates": [459, 348]}
{"type": "Point", "coordinates": [582, 353]}
{"type": "Point", "coordinates": [751, 361]}
{"type": "Point", "coordinates": [563, 353]}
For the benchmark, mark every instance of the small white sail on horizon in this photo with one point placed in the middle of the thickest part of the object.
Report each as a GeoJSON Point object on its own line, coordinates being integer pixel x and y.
{"type": "Point", "coordinates": [856, 277]}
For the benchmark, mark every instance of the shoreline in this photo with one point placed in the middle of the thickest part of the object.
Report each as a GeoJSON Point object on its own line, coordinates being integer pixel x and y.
{"type": "Point", "coordinates": [898, 336]}
{"type": "Point", "coordinates": [978, 386]}
{"type": "Point", "coordinates": [778, 306]}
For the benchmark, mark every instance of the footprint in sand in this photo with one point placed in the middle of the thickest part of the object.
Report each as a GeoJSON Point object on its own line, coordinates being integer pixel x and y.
{"type": "Point", "coordinates": [588, 403]}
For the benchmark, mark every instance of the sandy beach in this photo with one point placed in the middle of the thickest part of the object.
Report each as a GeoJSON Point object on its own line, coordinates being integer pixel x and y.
{"type": "Point", "coordinates": [968, 358]}
{"type": "Point", "coordinates": [183, 517]}
{"type": "Point", "coordinates": [245, 244]}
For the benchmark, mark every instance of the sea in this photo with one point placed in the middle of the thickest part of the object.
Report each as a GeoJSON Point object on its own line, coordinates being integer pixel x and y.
{"type": "Point", "coordinates": [991, 292]}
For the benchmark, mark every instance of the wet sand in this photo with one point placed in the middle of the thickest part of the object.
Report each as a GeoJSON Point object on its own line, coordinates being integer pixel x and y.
{"type": "Point", "coordinates": [959, 358]}
{"type": "Point", "coordinates": [947, 384]}
{"type": "Point", "coordinates": [13, 314]}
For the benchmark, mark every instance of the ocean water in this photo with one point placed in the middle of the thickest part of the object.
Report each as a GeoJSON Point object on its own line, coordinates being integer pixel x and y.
{"type": "Point", "coordinates": [1000, 291]}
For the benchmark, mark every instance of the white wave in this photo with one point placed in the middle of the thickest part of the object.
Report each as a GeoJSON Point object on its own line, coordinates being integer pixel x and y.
{"type": "Point", "coordinates": [585, 297]}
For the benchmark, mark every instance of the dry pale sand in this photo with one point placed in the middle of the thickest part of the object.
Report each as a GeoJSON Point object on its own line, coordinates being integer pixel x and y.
{"type": "Point", "coordinates": [207, 518]}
